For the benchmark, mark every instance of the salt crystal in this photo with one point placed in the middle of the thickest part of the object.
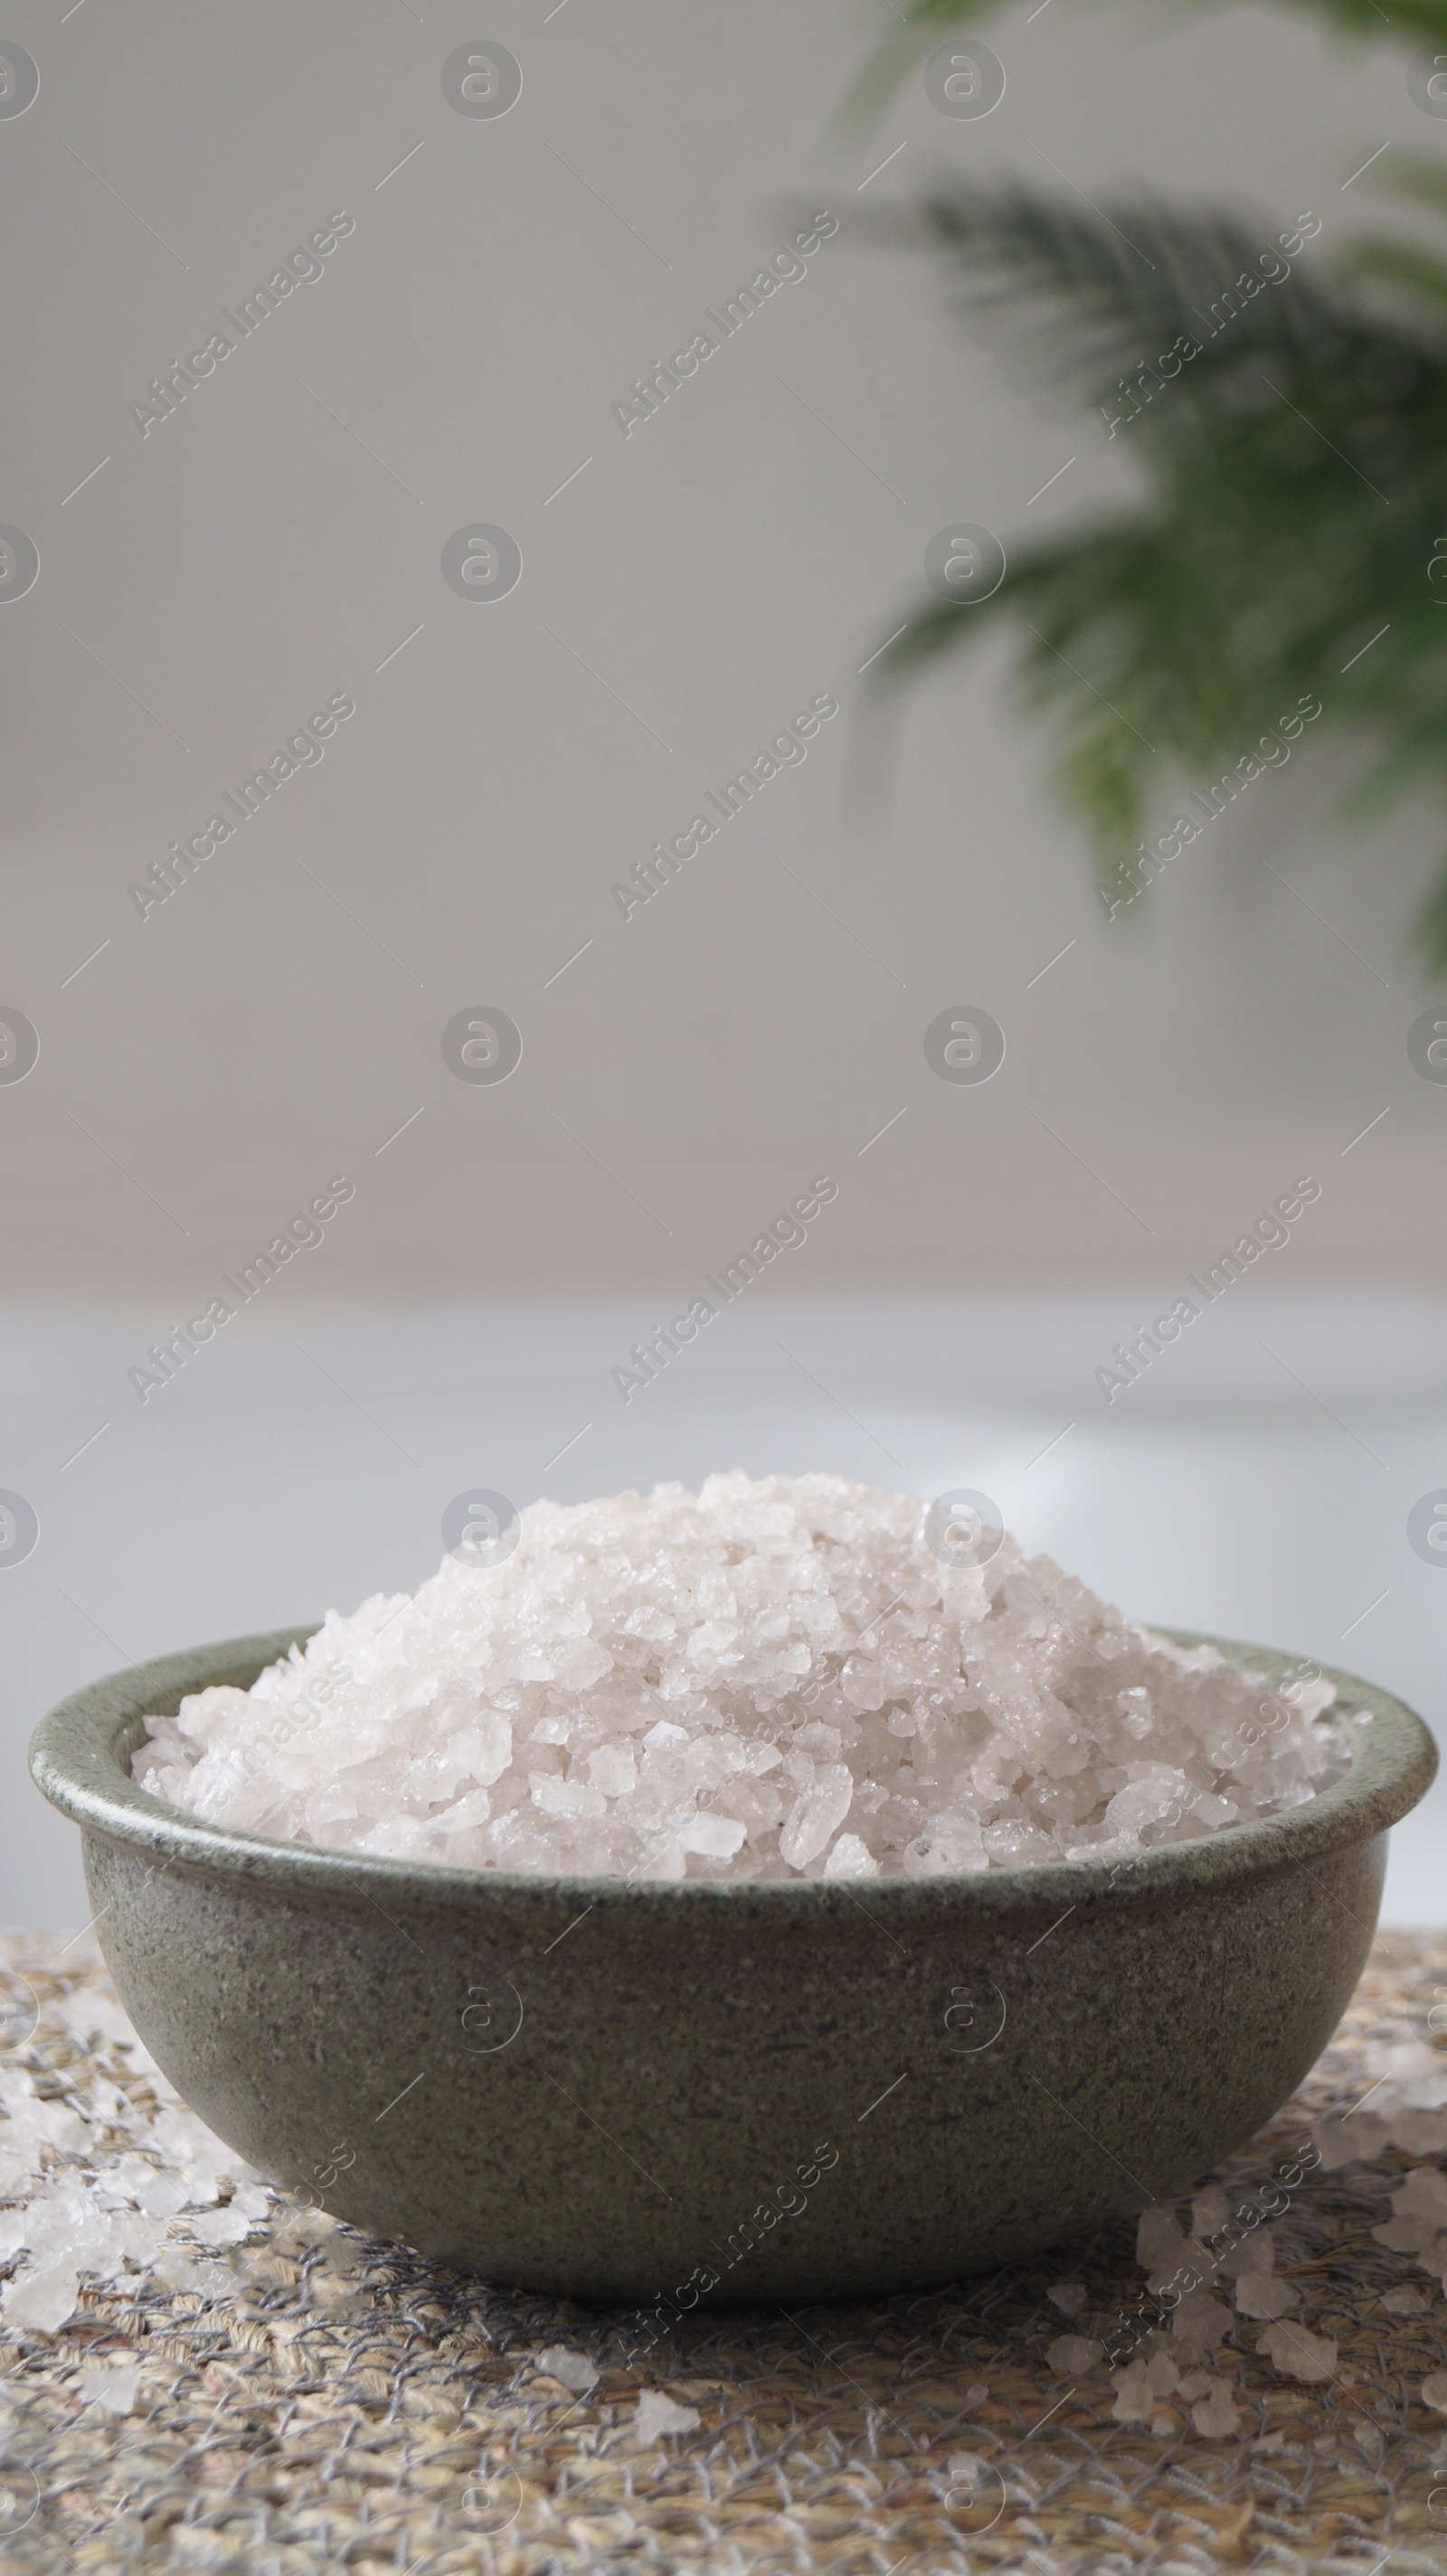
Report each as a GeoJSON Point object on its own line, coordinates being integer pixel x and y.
{"type": "Point", "coordinates": [113, 2389]}
{"type": "Point", "coordinates": [1408, 2234]}
{"type": "Point", "coordinates": [1198, 2324]}
{"type": "Point", "coordinates": [816, 1815]}
{"type": "Point", "coordinates": [35, 2120]}
{"type": "Point", "coordinates": [713, 1837]}
{"type": "Point", "coordinates": [1256, 2253]}
{"type": "Point", "coordinates": [1405, 2081]}
{"type": "Point", "coordinates": [1209, 2211]}
{"type": "Point", "coordinates": [1418, 2075]}
{"type": "Point", "coordinates": [1297, 2353]}
{"type": "Point", "coordinates": [1067, 2296]}
{"type": "Point", "coordinates": [658, 2415]}
{"type": "Point", "coordinates": [1134, 2398]}
{"type": "Point", "coordinates": [1424, 2193]}
{"type": "Point", "coordinates": [574, 2369]}
{"type": "Point", "coordinates": [175, 2268]}
{"type": "Point", "coordinates": [151, 2187]}
{"type": "Point", "coordinates": [228, 2226]}
{"type": "Point", "coordinates": [1215, 2415]}
{"type": "Point", "coordinates": [1419, 2133]}
{"type": "Point", "coordinates": [1433, 2391]}
{"type": "Point", "coordinates": [851, 1858]}
{"type": "Point", "coordinates": [42, 2297]}
{"type": "Point", "coordinates": [89, 2013]}
{"type": "Point", "coordinates": [772, 1678]}
{"type": "Point", "coordinates": [1260, 2294]}
{"type": "Point", "coordinates": [1343, 2142]}
{"type": "Point", "coordinates": [1069, 2355]}
{"type": "Point", "coordinates": [1404, 2303]}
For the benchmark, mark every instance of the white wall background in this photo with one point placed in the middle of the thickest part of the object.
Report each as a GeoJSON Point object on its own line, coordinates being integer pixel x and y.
{"type": "Point", "coordinates": [278, 1020]}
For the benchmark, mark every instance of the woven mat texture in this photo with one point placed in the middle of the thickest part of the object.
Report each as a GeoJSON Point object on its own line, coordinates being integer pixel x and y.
{"type": "Point", "coordinates": [329, 2402]}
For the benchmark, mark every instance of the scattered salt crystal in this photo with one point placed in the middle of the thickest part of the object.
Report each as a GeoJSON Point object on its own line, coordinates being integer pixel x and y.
{"type": "Point", "coordinates": [574, 2369]}
{"type": "Point", "coordinates": [1067, 2296]}
{"type": "Point", "coordinates": [1260, 2294]}
{"type": "Point", "coordinates": [90, 2013]}
{"type": "Point", "coordinates": [1424, 2194]}
{"type": "Point", "coordinates": [1409, 2234]}
{"type": "Point", "coordinates": [658, 2415]}
{"type": "Point", "coordinates": [1198, 2324]}
{"type": "Point", "coordinates": [1209, 2211]}
{"type": "Point", "coordinates": [1072, 2354]}
{"type": "Point", "coordinates": [1253, 2259]}
{"type": "Point", "coordinates": [174, 2268]}
{"type": "Point", "coordinates": [12, 2233]}
{"type": "Point", "coordinates": [68, 2228]}
{"type": "Point", "coordinates": [768, 1679]}
{"type": "Point", "coordinates": [1406, 2088]}
{"type": "Point", "coordinates": [1134, 2399]}
{"type": "Point", "coordinates": [966, 2468]}
{"type": "Point", "coordinates": [42, 2298]}
{"type": "Point", "coordinates": [112, 2388]}
{"type": "Point", "coordinates": [228, 2226]}
{"type": "Point", "coordinates": [1255, 2253]}
{"type": "Point", "coordinates": [1339, 2143]}
{"type": "Point", "coordinates": [1141, 2385]}
{"type": "Point", "coordinates": [1433, 2391]}
{"type": "Point", "coordinates": [1298, 2353]}
{"type": "Point", "coordinates": [1215, 2415]}
{"type": "Point", "coordinates": [35, 2120]}
{"type": "Point", "coordinates": [1404, 2303]}
{"type": "Point", "coordinates": [1418, 2074]}
{"type": "Point", "coordinates": [150, 2187]}
{"type": "Point", "coordinates": [1419, 2133]}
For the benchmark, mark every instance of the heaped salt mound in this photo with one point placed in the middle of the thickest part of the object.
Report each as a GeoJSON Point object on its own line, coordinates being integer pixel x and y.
{"type": "Point", "coordinates": [764, 1680]}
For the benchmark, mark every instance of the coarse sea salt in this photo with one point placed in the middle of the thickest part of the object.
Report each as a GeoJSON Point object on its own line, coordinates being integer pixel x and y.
{"type": "Point", "coordinates": [771, 1679]}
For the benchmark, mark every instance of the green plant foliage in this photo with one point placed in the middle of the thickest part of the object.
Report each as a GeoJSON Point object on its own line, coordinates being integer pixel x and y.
{"type": "Point", "coordinates": [927, 23]}
{"type": "Point", "coordinates": [1289, 422]}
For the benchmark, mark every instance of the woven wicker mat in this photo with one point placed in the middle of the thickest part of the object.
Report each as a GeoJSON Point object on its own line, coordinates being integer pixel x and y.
{"type": "Point", "coordinates": [338, 2403]}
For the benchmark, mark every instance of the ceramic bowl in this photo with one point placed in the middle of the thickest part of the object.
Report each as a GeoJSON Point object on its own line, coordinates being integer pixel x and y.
{"type": "Point", "coordinates": [741, 2093]}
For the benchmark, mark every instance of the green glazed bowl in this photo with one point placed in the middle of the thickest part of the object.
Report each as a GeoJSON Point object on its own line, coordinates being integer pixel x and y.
{"type": "Point", "coordinates": [742, 2093]}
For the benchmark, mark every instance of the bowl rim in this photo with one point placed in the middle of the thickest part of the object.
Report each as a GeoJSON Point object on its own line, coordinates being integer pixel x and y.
{"type": "Point", "coordinates": [77, 1761]}
{"type": "Point", "coordinates": [83, 1745]}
